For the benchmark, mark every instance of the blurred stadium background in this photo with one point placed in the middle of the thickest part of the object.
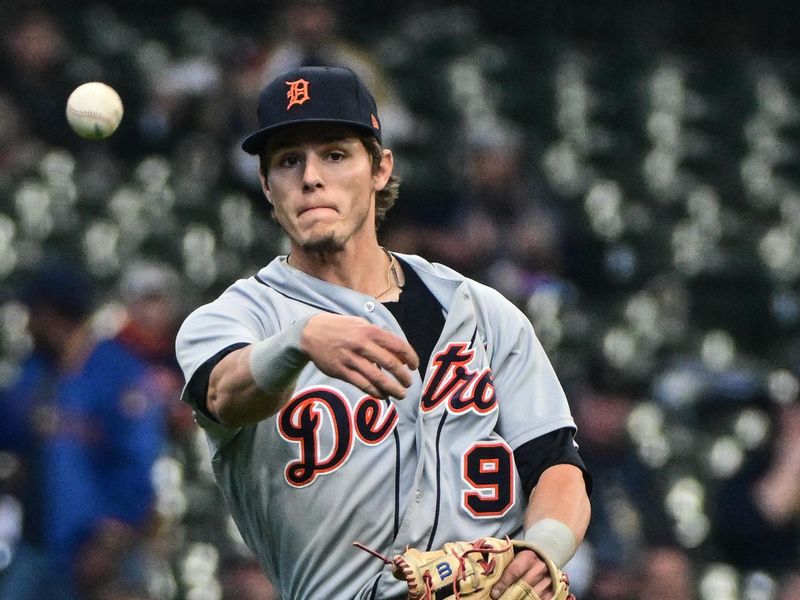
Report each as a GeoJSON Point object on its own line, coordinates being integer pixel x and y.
{"type": "Point", "coordinates": [627, 172]}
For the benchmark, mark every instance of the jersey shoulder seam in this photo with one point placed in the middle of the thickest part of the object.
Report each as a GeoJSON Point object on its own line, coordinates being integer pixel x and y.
{"type": "Point", "coordinates": [287, 296]}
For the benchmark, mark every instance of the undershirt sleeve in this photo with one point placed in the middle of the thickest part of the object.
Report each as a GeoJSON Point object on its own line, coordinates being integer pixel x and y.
{"type": "Point", "coordinates": [555, 448]}
{"type": "Point", "coordinates": [197, 388]}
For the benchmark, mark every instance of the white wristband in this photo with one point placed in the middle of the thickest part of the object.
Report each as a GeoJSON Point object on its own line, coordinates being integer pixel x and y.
{"type": "Point", "coordinates": [277, 361]}
{"type": "Point", "coordinates": [554, 538]}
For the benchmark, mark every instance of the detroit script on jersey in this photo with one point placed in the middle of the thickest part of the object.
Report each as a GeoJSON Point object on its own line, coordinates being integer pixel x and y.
{"type": "Point", "coordinates": [372, 420]}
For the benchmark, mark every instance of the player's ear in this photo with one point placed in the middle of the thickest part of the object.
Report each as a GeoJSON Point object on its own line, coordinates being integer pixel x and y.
{"type": "Point", "coordinates": [264, 185]}
{"type": "Point", "coordinates": [380, 176]}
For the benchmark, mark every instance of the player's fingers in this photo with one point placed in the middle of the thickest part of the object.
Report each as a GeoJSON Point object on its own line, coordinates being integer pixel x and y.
{"type": "Point", "coordinates": [383, 383]}
{"type": "Point", "coordinates": [362, 383]}
{"type": "Point", "coordinates": [388, 361]}
{"type": "Point", "coordinates": [520, 589]}
{"type": "Point", "coordinates": [399, 347]}
{"type": "Point", "coordinates": [543, 589]}
{"type": "Point", "coordinates": [526, 566]}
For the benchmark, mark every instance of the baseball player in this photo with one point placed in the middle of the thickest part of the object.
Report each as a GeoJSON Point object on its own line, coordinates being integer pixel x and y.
{"type": "Point", "coordinates": [350, 393]}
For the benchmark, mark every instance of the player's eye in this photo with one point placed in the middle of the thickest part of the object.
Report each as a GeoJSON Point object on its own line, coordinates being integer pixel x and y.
{"type": "Point", "coordinates": [336, 155]}
{"type": "Point", "coordinates": [288, 160]}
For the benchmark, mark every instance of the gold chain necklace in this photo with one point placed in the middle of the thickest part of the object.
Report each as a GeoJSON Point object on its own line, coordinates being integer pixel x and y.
{"type": "Point", "coordinates": [392, 278]}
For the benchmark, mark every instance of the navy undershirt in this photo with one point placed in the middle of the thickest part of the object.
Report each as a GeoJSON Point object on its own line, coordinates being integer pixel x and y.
{"type": "Point", "coordinates": [419, 315]}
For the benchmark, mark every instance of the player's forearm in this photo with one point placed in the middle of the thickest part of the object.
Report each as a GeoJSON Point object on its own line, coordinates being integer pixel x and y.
{"type": "Point", "coordinates": [251, 384]}
{"type": "Point", "coordinates": [559, 510]}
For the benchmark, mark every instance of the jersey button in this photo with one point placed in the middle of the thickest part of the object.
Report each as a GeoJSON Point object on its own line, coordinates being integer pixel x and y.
{"type": "Point", "coordinates": [419, 496]}
{"type": "Point", "coordinates": [369, 305]}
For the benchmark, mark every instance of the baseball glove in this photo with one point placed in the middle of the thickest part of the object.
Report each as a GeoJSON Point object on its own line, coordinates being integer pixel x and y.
{"type": "Point", "coordinates": [468, 570]}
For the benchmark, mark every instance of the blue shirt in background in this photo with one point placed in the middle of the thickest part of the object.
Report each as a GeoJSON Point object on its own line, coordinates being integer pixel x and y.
{"type": "Point", "coordinates": [87, 440]}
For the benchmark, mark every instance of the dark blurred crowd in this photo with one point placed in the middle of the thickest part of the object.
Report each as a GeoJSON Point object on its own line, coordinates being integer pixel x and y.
{"type": "Point", "coordinates": [628, 176]}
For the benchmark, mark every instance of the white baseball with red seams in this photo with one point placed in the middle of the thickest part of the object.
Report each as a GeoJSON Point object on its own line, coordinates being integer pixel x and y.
{"type": "Point", "coordinates": [94, 110]}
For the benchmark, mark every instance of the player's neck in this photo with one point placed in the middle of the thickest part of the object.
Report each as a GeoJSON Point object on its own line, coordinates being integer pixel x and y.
{"type": "Point", "coordinates": [370, 270]}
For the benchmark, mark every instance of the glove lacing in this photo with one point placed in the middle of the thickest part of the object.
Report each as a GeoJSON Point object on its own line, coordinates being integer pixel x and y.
{"type": "Point", "coordinates": [488, 567]}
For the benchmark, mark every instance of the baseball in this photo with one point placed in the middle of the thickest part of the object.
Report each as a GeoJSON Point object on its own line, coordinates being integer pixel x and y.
{"type": "Point", "coordinates": [94, 110]}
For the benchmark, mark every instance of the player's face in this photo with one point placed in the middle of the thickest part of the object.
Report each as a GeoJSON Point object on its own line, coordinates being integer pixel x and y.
{"type": "Point", "coordinates": [321, 182]}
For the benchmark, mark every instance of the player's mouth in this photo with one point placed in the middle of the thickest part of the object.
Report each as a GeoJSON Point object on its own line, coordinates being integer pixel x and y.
{"type": "Point", "coordinates": [316, 210]}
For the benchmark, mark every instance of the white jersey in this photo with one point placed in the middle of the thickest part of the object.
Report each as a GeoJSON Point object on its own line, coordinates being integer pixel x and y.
{"type": "Point", "coordinates": [335, 466]}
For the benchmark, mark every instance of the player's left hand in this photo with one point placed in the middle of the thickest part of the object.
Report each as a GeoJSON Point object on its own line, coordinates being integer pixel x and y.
{"type": "Point", "coordinates": [528, 567]}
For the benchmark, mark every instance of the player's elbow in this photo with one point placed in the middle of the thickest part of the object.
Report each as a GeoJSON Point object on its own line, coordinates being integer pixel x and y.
{"type": "Point", "coordinates": [222, 407]}
{"type": "Point", "coordinates": [233, 398]}
{"type": "Point", "coordinates": [236, 408]}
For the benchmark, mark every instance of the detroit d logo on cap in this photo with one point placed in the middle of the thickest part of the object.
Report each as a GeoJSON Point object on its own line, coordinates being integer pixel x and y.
{"type": "Point", "coordinates": [298, 92]}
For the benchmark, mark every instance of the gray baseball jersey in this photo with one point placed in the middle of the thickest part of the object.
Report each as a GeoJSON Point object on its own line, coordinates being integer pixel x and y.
{"type": "Point", "coordinates": [335, 466]}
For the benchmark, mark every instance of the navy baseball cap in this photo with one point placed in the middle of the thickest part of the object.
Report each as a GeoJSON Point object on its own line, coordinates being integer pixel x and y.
{"type": "Point", "coordinates": [313, 95]}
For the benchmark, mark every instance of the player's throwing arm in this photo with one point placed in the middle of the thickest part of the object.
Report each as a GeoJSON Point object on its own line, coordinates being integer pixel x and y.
{"type": "Point", "coordinates": [252, 384]}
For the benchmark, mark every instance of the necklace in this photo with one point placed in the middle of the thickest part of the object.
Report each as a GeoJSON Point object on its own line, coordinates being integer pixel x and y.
{"type": "Point", "coordinates": [392, 277]}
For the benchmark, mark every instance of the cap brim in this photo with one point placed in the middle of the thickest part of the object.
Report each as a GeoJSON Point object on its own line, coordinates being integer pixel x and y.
{"type": "Point", "coordinates": [255, 142]}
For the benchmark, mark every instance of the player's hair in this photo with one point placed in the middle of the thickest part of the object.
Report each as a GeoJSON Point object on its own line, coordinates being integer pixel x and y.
{"type": "Point", "coordinates": [385, 198]}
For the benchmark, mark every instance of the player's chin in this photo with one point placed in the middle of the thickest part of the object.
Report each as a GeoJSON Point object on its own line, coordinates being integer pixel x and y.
{"type": "Point", "coordinates": [323, 243]}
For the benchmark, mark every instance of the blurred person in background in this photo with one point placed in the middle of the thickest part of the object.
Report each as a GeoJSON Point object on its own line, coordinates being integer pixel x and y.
{"type": "Point", "coordinates": [626, 507]}
{"type": "Point", "coordinates": [501, 225]}
{"type": "Point", "coordinates": [756, 522]}
{"type": "Point", "coordinates": [242, 579]}
{"type": "Point", "coordinates": [777, 492]}
{"type": "Point", "coordinates": [85, 419]}
{"type": "Point", "coordinates": [151, 293]}
{"type": "Point", "coordinates": [666, 573]}
{"type": "Point", "coordinates": [33, 70]}
{"type": "Point", "coordinates": [789, 588]}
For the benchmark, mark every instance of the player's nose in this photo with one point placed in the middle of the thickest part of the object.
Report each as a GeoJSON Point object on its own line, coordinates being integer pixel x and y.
{"type": "Point", "coordinates": [312, 174]}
